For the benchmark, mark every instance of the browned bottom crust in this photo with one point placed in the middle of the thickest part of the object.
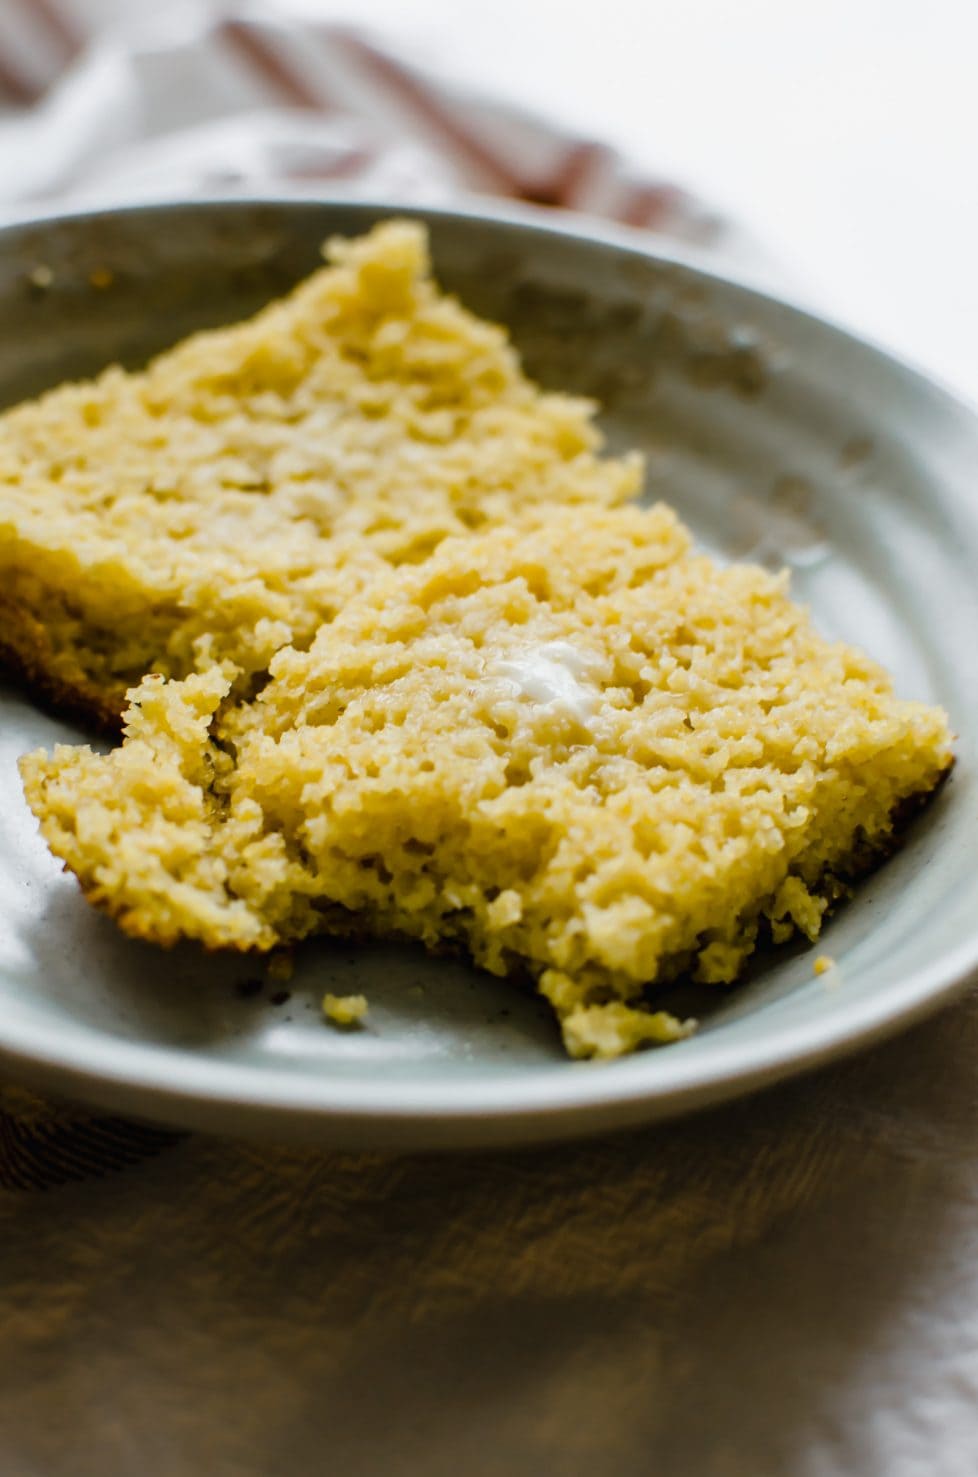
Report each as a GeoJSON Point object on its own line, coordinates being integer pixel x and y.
{"type": "Point", "coordinates": [26, 655]}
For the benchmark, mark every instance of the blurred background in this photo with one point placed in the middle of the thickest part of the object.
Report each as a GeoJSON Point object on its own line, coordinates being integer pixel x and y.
{"type": "Point", "coordinates": [837, 138]}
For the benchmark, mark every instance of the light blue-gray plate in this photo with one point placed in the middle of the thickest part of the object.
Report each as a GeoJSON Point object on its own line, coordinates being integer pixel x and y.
{"type": "Point", "coordinates": [777, 436]}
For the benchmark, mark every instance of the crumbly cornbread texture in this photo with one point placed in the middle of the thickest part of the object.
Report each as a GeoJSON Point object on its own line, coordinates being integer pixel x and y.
{"type": "Point", "coordinates": [347, 1011]}
{"type": "Point", "coordinates": [575, 749]}
{"type": "Point", "coordinates": [226, 500]}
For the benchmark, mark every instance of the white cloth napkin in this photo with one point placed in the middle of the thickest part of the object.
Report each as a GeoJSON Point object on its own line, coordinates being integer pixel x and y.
{"type": "Point", "coordinates": [184, 101]}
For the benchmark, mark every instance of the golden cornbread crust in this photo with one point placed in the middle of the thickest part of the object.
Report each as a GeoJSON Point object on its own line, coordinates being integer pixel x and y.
{"type": "Point", "coordinates": [27, 655]}
{"type": "Point", "coordinates": [569, 746]}
{"type": "Point", "coordinates": [229, 498]}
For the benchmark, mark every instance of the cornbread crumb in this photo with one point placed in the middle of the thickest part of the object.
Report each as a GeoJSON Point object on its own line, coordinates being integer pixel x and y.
{"type": "Point", "coordinates": [604, 1032]}
{"type": "Point", "coordinates": [226, 500]}
{"type": "Point", "coordinates": [823, 963]}
{"type": "Point", "coordinates": [281, 965]}
{"type": "Point", "coordinates": [345, 1010]}
{"type": "Point", "coordinates": [729, 768]}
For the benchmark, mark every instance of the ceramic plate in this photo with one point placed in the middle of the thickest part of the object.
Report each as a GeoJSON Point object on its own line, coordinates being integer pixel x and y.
{"type": "Point", "coordinates": [778, 438]}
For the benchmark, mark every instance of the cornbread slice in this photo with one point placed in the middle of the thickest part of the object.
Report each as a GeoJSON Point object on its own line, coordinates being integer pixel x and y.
{"type": "Point", "coordinates": [575, 749]}
{"type": "Point", "coordinates": [226, 500]}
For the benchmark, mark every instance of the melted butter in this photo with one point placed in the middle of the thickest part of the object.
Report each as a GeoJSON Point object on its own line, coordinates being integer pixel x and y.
{"type": "Point", "coordinates": [555, 675]}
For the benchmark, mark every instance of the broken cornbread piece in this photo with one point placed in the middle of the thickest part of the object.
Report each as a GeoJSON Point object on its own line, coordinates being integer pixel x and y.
{"type": "Point", "coordinates": [226, 500]}
{"type": "Point", "coordinates": [345, 1010]}
{"type": "Point", "coordinates": [572, 748]}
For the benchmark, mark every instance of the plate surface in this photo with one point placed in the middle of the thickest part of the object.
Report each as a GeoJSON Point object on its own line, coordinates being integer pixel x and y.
{"type": "Point", "coordinates": [776, 436]}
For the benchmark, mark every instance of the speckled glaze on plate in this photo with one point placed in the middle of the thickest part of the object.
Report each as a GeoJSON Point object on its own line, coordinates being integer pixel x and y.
{"type": "Point", "coordinates": [777, 436]}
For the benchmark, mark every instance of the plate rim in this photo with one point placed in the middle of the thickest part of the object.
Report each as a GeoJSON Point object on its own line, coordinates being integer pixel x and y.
{"type": "Point", "coordinates": [175, 1087]}
{"type": "Point", "coordinates": [640, 241]}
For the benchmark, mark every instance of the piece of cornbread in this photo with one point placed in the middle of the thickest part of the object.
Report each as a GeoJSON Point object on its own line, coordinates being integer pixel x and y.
{"type": "Point", "coordinates": [571, 747]}
{"type": "Point", "coordinates": [227, 499]}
